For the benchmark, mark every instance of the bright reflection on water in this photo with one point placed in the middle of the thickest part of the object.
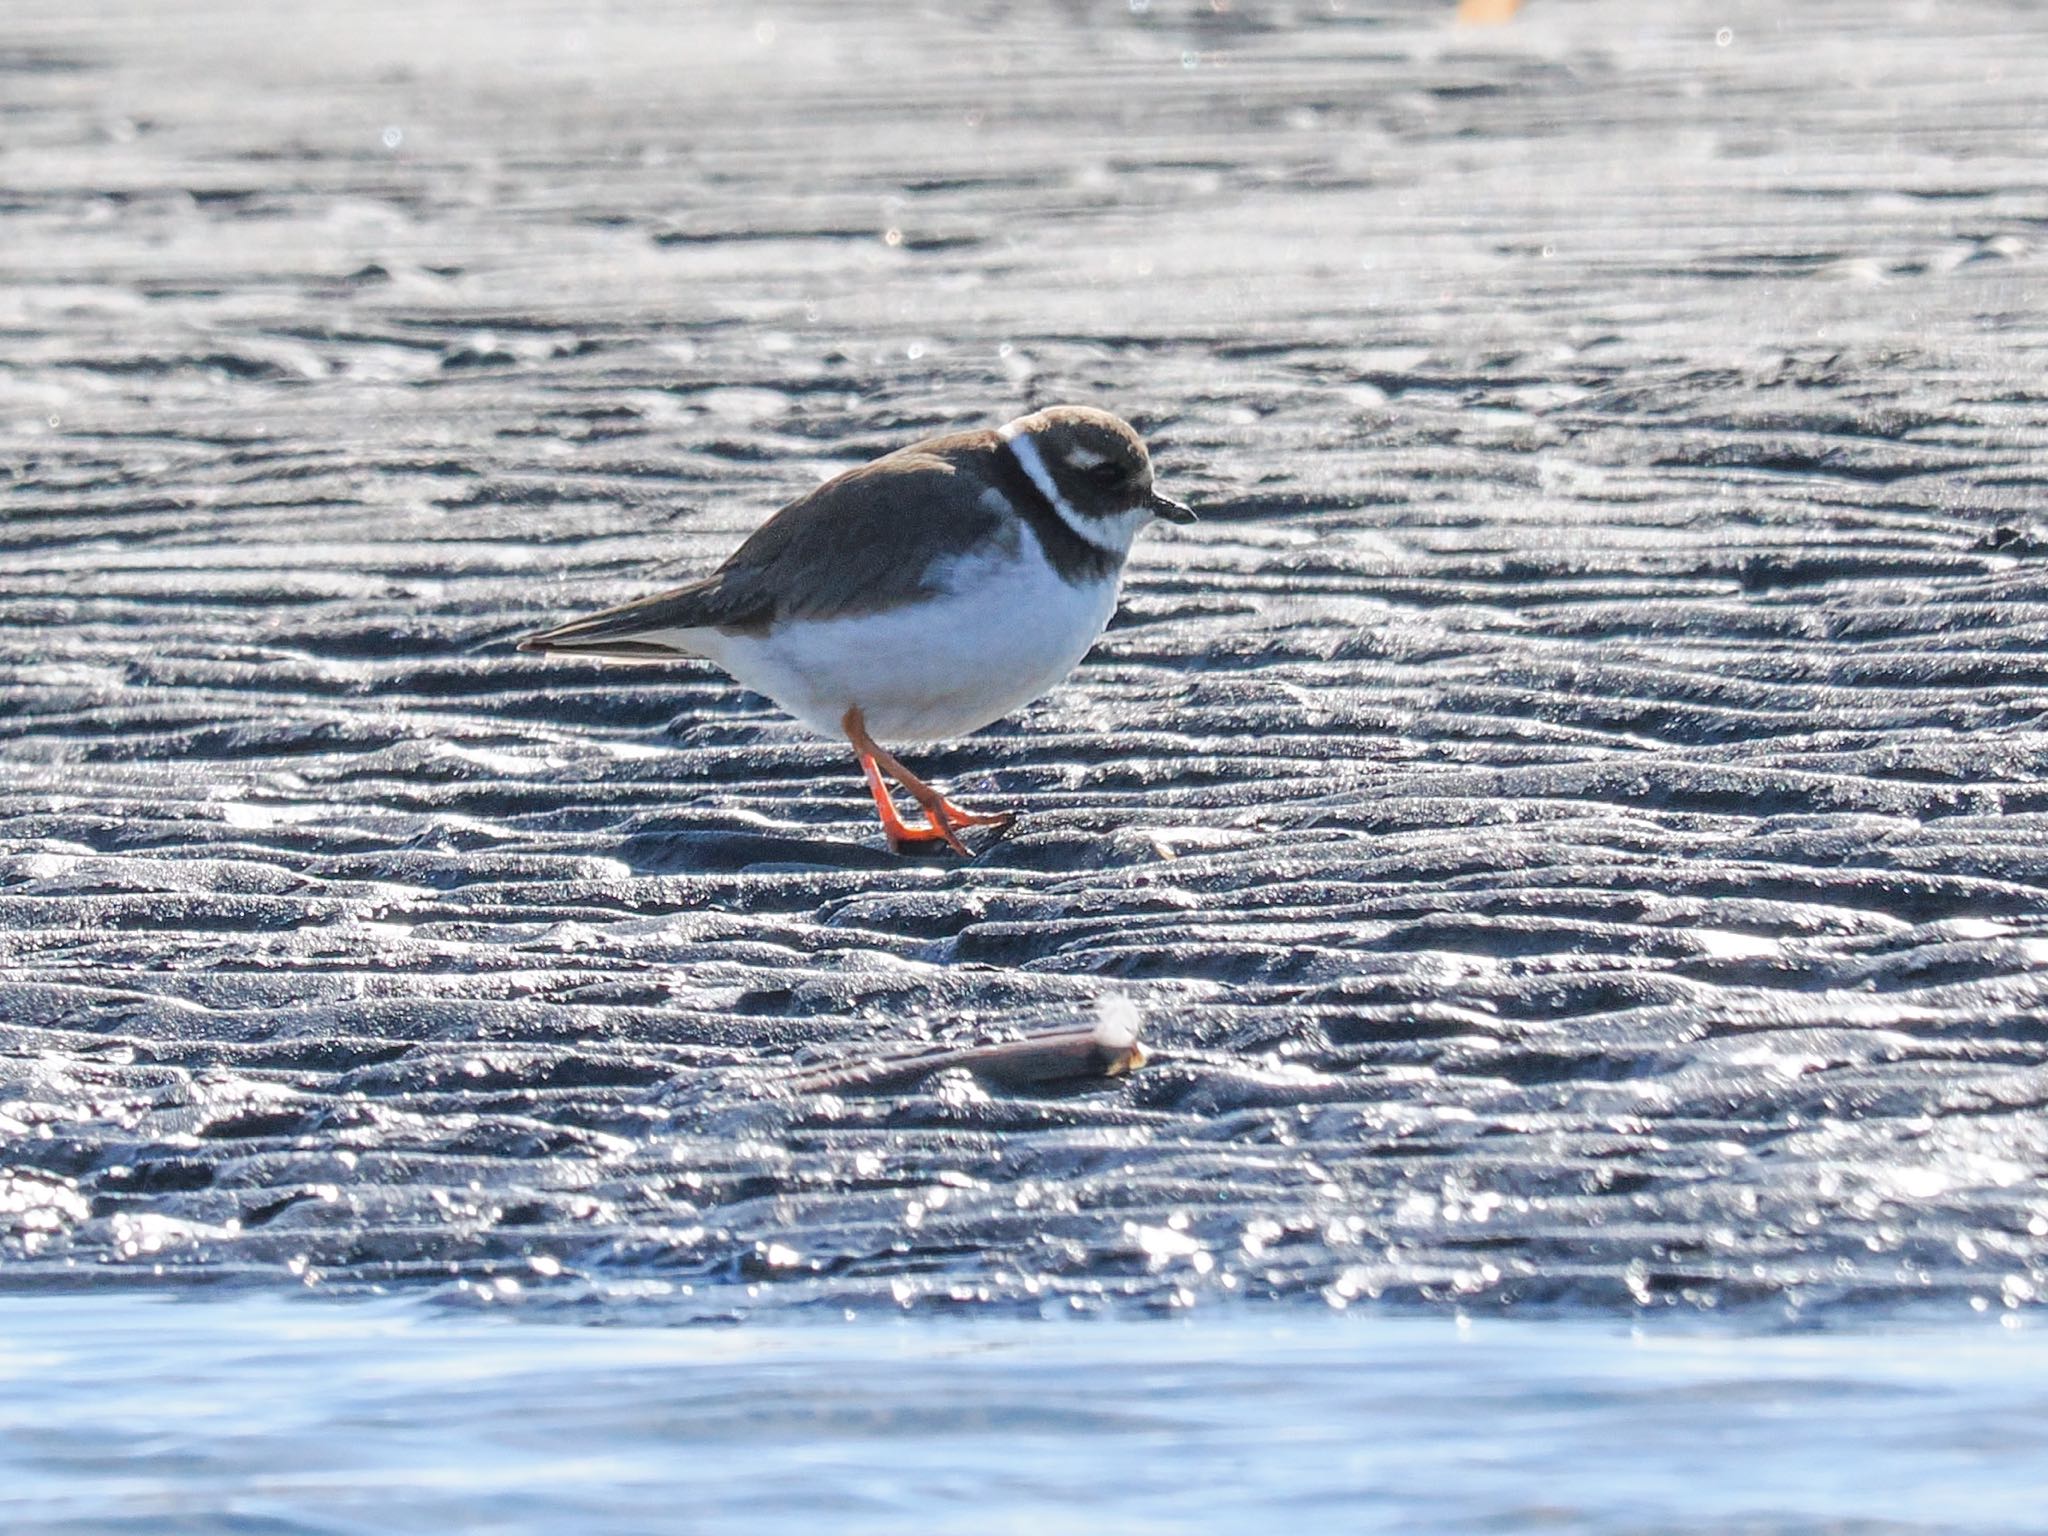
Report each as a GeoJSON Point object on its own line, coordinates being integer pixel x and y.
{"type": "Point", "coordinates": [259, 1414]}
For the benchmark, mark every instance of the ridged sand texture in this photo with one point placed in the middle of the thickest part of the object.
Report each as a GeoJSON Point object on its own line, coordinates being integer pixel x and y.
{"type": "Point", "coordinates": [1569, 821]}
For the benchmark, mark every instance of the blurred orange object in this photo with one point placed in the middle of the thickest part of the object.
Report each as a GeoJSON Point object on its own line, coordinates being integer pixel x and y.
{"type": "Point", "coordinates": [1486, 13]}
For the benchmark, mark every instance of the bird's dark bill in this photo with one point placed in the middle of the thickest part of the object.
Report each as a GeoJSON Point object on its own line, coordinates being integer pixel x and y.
{"type": "Point", "coordinates": [1171, 510]}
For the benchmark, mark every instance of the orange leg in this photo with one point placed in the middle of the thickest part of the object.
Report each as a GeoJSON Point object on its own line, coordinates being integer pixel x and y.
{"type": "Point", "coordinates": [893, 826]}
{"type": "Point", "coordinates": [945, 817]}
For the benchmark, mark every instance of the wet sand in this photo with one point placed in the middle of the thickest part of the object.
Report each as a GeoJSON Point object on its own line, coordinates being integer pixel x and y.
{"type": "Point", "coordinates": [1568, 820]}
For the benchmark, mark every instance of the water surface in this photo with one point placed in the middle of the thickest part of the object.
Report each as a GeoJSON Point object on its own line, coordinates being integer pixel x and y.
{"type": "Point", "coordinates": [265, 1414]}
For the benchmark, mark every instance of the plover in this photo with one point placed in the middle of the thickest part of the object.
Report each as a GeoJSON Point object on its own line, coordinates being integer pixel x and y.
{"type": "Point", "coordinates": [915, 598]}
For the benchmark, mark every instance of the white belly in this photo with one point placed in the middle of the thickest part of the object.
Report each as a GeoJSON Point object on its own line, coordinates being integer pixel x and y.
{"type": "Point", "coordinates": [1006, 630]}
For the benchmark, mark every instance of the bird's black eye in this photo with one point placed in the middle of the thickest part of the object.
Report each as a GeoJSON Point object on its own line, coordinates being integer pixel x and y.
{"type": "Point", "coordinates": [1107, 476]}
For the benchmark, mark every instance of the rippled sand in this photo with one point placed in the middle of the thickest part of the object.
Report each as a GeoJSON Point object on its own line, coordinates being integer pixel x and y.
{"type": "Point", "coordinates": [1569, 820]}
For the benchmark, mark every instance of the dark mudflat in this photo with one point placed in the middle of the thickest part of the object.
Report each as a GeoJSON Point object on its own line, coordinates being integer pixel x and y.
{"type": "Point", "coordinates": [1570, 819]}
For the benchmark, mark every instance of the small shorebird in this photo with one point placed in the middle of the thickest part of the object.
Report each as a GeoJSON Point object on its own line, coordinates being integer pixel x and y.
{"type": "Point", "coordinates": [917, 597]}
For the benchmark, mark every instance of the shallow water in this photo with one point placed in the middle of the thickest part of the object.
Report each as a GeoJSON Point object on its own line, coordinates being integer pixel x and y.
{"type": "Point", "coordinates": [260, 1414]}
{"type": "Point", "coordinates": [1569, 820]}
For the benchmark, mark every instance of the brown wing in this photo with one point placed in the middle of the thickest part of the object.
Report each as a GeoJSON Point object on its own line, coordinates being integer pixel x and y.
{"type": "Point", "coordinates": [861, 542]}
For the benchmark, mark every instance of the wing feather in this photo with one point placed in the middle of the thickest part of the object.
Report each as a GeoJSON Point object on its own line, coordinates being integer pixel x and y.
{"type": "Point", "coordinates": [867, 540]}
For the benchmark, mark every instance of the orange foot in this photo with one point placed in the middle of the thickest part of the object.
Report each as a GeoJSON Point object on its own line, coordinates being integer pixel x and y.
{"type": "Point", "coordinates": [945, 817]}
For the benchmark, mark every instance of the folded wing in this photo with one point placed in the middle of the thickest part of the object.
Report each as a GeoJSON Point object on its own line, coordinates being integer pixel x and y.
{"type": "Point", "coordinates": [866, 541]}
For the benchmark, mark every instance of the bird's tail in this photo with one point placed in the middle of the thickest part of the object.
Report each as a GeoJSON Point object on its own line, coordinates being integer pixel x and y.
{"type": "Point", "coordinates": [650, 629]}
{"type": "Point", "coordinates": [545, 644]}
{"type": "Point", "coordinates": [604, 636]}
